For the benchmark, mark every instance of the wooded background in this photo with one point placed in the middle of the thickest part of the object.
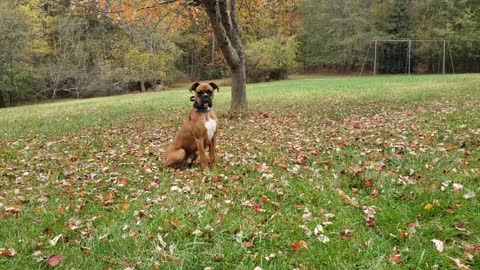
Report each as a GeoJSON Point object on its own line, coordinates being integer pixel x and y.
{"type": "Point", "coordinates": [84, 48]}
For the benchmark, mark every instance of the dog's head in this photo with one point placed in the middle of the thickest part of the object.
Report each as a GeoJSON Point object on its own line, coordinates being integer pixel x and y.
{"type": "Point", "coordinates": [204, 92]}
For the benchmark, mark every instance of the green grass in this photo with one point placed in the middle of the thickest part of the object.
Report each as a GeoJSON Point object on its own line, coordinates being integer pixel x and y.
{"type": "Point", "coordinates": [91, 170]}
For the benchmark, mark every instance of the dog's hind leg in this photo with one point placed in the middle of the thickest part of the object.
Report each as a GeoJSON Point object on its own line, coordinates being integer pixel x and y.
{"type": "Point", "coordinates": [175, 158]}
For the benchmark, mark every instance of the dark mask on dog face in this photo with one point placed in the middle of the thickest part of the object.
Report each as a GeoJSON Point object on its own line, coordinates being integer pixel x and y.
{"type": "Point", "coordinates": [204, 92]}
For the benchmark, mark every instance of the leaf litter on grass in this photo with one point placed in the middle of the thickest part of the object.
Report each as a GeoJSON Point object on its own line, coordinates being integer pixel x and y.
{"type": "Point", "coordinates": [365, 157]}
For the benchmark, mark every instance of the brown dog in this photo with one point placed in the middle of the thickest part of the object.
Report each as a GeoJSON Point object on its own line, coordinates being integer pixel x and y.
{"type": "Point", "coordinates": [197, 132]}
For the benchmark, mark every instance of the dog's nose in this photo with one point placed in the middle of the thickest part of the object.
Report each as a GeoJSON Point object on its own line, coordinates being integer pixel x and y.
{"type": "Point", "coordinates": [205, 95]}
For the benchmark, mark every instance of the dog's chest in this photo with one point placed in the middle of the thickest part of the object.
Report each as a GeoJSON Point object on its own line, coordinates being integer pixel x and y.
{"type": "Point", "coordinates": [211, 126]}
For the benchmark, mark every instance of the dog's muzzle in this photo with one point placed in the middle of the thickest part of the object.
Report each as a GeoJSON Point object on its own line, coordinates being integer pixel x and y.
{"type": "Point", "coordinates": [205, 101]}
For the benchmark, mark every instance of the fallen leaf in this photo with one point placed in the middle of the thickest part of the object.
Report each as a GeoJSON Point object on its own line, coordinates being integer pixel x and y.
{"type": "Point", "coordinates": [395, 258]}
{"type": "Point", "coordinates": [14, 209]}
{"type": "Point", "coordinates": [86, 250]}
{"type": "Point", "coordinates": [459, 264]}
{"type": "Point", "coordinates": [174, 222]}
{"type": "Point", "coordinates": [403, 234]}
{"type": "Point", "coordinates": [297, 246]}
{"type": "Point", "coordinates": [438, 244]}
{"type": "Point", "coordinates": [318, 229]}
{"type": "Point", "coordinates": [307, 215]}
{"type": "Point", "coordinates": [54, 260]}
{"type": "Point", "coordinates": [374, 193]}
{"type": "Point", "coordinates": [370, 216]}
{"type": "Point", "coordinates": [428, 206]}
{"type": "Point", "coordinates": [369, 183]}
{"type": "Point", "coordinates": [9, 252]}
{"type": "Point", "coordinates": [357, 170]}
{"type": "Point", "coordinates": [461, 226]}
{"type": "Point", "coordinates": [261, 168]}
{"type": "Point", "coordinates": [54, 241]}
{"type": "Point", "coordinates": [469, 195]}
{"type": "Point", "coordinates": [346, 234]}
{"type": "Point", "coordinates": [307, 231]}
{"type": "Point", "coordinates": [450, 209]}
{"type": "Point", "coordinates": [323, 238]}
{"type": "Point", "coordinates": [265, 199]}
{"type": "Point", "coordinates": [457, 187]}
{"type": "Point", "coordinates": [239, 237]}
{"type": "Point", "coordinates": [249, 243]}
{"type": "Point", "coordinates": [271, 256]}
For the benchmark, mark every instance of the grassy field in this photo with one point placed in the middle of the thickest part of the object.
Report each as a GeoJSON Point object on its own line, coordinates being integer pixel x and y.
{"type": "Point", "coordinates": [322, 173]}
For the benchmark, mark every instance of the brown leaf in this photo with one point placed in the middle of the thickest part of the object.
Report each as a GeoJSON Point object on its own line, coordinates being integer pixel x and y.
{"type": "Point", "coordinates": [459, 264]}
{"type": "Point", "coordinates": [357, 170]}
{"type": "Point", "coordinates": [374, 193]}
{"type": "Point", "coordinates": [346, 234]}
{"type": "Point", "coordinates": [297, 246]}
{"type": "Point", "coordinates": [461, 226]}
{"type": "Point", "coordinates": [9, 252]}
{"type": "Point", "coordinates": [249, 243]}
{"type": "Point", "coordinates": [54, 260]}
{"type": "Point", "coordinates": [14, 209]}
{"type": "Point", "coordinates": [265, 199]}
{"type": "Point", "coordinates": [86, 250]}
{"type": "Point", "coordinates": [370, 216]}
{"type": "Point", "coordinates": [48, 231]}
{"type": "Point", "coordinates": [174, 222]}
{"type": "Point", "coordinates": [261, 168]}
{"type": "Point", "coordinates": [412, 227]}
{"type": "Point", "coordinates": [108, 198]}
{"type": "Point", "coordinates": [341, 193]}
{"type": "Point", "coordinates": [450, 209]}
{"type": "Point", "coordinates": [395, 258]}
{"type": "Point", "coordinates": [369, 183]}
{"type": "Point", "coordinates": [122, 182]}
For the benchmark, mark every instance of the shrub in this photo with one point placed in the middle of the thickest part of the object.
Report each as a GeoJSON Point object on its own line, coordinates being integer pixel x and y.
{"type": "Point", "coordinates": [270, 58]}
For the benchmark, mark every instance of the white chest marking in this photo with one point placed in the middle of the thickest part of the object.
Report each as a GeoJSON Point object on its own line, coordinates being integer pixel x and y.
{"type": "Point", "coordinates": [211, 126]}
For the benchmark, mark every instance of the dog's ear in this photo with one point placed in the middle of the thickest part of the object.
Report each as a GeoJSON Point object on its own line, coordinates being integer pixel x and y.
{"type": "Point", "coordinates": [214, 86]}
{"type": "Point", "coordinates": [194, 86]}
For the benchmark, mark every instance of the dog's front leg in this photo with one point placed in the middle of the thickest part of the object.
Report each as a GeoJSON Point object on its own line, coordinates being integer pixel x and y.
{"type": "Point", "coordinates": [211, 150]}
{"type": "Point", "coordinates": [201, 152]}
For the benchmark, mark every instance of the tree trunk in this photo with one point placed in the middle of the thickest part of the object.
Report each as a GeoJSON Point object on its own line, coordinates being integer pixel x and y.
{"type": "Point", "coordinates": [222, 15]}
{"type": "Point", "coordinates": [142, 85]}
{"type": "Point", "coordinates": [54, 93]}
{"type": "Point", "coordinates": [2, 100]}
{"type": "Point", "coordinates": [239, 93]}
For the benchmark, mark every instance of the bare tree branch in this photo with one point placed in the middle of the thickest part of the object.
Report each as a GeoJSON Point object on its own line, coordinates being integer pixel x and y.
{"type": "Point", "coordinates": [237, 43]}
{"type": "Point", "coordinates": [157, 4]}
{"type": "Point", "coordinates": [225, 44]}
{"type": "Point", "coordinates": [227, 23]}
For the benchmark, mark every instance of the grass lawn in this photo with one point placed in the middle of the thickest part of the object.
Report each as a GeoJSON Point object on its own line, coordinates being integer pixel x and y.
{"type": "Point", "coordinates": [322, 173]}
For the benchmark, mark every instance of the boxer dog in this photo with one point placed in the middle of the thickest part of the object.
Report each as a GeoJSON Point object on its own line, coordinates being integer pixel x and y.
{"type": "Point", "coordinates": [197, 132]}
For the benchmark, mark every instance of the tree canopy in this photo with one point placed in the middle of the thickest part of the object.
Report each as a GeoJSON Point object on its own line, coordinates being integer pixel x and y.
{"type": "Point", "coordinates": [83, 48]}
